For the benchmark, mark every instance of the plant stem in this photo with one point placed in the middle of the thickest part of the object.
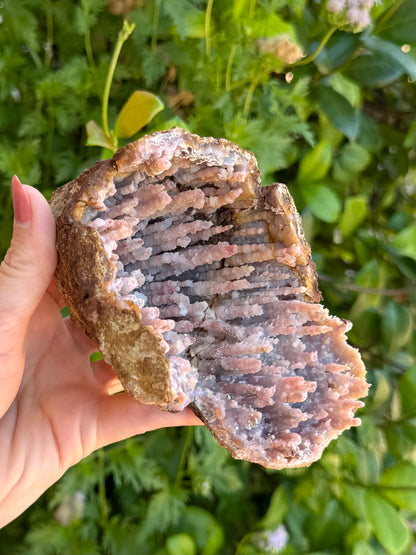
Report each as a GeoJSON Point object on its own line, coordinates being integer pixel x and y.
{"type": "Point", "coordinates": [88, 50]}
{"type": "Point", "coordinates": [249, 97]}
{"type": "Point", "coordinates": [229, 67]}
{"type": "Point", "coordinates": [182, 461]}
{"type": "Point", "coordinates": [315, 54]}
{"type": "Point", "coordinates": [340, 284]}
{"type": "Point", "coordinates": [123, 35]}
{"type": "Point", "coordinates": [49, 35]}
{"type": "Point", "coordinates": [155, 25]}
{"type": "Point", "coordinates": [251, 9]}
{"type": "Point", "coordinates": [207, 28]}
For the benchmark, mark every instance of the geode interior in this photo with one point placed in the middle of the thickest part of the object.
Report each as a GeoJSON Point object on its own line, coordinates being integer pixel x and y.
{"type": "Point", "coordinates": [198, 286]}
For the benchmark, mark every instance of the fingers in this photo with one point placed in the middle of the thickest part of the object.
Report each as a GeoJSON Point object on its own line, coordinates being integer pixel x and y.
{"type": "Point", "coordinates": [120, 416]}
{"type": "Point", "coordinates": [24, 277]}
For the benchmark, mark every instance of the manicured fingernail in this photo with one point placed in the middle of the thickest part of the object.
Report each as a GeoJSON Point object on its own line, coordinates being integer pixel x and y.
{"type": "Point", "coordinates": [21, 203]}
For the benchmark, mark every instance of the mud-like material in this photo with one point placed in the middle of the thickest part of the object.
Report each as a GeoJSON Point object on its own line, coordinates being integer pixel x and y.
{"type": "Point", "coordinates": [197, 285]}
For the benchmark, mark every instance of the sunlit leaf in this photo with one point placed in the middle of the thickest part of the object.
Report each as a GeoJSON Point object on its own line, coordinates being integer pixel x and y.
{"type": "Point", "coordinates": [97, 137]}
{"type": "Point", "coordinates": [315, 164]}
{"type": "Point", "coordinates": [322, 201]}
{"type": "Point", "coordinates": [397, 326]}
{"type": "Point", "coordinates": [180, 544]}
{"type": "Point", "coordinates": [407, 388]}
{"type": "Point", "coordinates": [405, 241]}
{"type": "Point", "coordinates": [363, 548]}
{"type": "Point", "coordinates": [139, 109]}
{"type": "Point", "coordinates": [355, 211]}
{"type": "Point", "coordinates": [389, 527]}
{"type": "Point", "coordinates": [398, 478]}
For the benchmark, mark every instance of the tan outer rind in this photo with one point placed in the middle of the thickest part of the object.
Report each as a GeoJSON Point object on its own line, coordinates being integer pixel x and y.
{"type": "Point", "coordinates": [84, 271]}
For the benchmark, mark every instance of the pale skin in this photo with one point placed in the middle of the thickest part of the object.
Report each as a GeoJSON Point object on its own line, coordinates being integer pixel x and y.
{"type": "Point", "coordinates": [56, 407]}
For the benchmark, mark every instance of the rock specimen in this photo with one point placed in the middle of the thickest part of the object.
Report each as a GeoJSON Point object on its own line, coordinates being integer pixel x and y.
{"type": "Point", "coordinates": [198, 287]}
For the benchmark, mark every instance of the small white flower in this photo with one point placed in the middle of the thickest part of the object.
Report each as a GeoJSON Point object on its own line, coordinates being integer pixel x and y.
{"type": "Point", "coordinates": [277, 540]}
{"type": "Point", "coordinates": [336, 6]}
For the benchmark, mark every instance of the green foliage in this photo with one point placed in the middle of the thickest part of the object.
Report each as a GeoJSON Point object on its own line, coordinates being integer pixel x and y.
{"type": "Point", "coordinates": [338, 126]}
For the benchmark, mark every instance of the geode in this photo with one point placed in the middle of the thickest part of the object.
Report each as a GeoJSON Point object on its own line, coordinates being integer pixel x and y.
{"type": "Point", "coordinates": [197, 285]}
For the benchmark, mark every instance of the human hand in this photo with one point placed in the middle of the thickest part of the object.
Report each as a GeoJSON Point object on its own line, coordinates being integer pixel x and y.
{"type": "Point", "coordinates": [56, 407]}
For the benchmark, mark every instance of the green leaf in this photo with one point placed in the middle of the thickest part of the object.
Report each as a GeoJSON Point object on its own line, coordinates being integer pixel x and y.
{"type": "Point", "coordinates": [389, 527]}
{"type": "Point", "coordinates": [339, 111]}
{"type": "Point", "coordinates": [180, 544]}
{"type": "Point", "coordinates": [363, 548]}
{"type": "Point", "coordinates": [322, 201]}
{"type": "Point", "coordinates": [316, 163]}
{"type": "Point", "coordinates": [373, 71]}
{"type": "Point", "coordinates": [402, 475]}
{"type": "Point", "coordinates": [354, 157]}
{"type": "Point", "coordinates": [405, 241]}
{"type": "Point", "coordinates": [139, 109]}
{"type": "Point", "coordinates": [374, 275]}
{"type": "Point", "coordinates": [204, 528]}
{"type": "Point", "coordinates": [277, 509]}
{"type": "Point", "coordinates": [410, 138]}
{"type": "Point", "coordinates": [391, 52]}
{"type": "Point", "coordinates": [338, 50]}
{"type": "Point", "coordinates": [270, 26]}
{"type": "Point", "coordinates": [400, 26]}
{"type": "Point", "coordinates": [382, 393]}
{"type": "Point", "coordinates": [397, 326]}
{"type": "Point", "coordinates": [97, 137]}
{"type": "Point", "coordinates": [407, 389]}
{"type": "Point", "coordinates": [347, 88]}
{"type": "Point", "coordinates": [355, 211]}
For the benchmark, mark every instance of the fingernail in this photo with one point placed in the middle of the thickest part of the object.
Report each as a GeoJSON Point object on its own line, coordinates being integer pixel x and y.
{"type": "Point", "coordinates": [21, 203]}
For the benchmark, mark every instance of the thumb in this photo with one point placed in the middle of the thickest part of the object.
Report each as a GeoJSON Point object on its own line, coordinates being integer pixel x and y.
{"type": "Point", "coordinates": [25, 274]}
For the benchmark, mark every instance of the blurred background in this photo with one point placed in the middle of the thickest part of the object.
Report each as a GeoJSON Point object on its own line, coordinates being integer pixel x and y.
{"type": "Point", "coordinates": [323, 92]}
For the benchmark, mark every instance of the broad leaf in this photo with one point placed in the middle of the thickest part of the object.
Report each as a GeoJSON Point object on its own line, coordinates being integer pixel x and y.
{"type": "Point", "coordinates": [139, 109]}
{"type": "Point", "coordinates": [180, 544]}
{"type": "Point", "coordinates": [363, 548]}
{"type": "Point", "coordinates": [338, 50]}
{"type": "Point", "coordinates": [315, 164]}
{"type": "Point", "coordinates": [389, 527]}
{"type": "Point", "coordinates": [373, 71]}
{"type": "Point", "coordinates": [398, 478]}
{"type": "Point", "coordinates": [405, 241]}
{"type": "Point", "coordinates": [407, 389]}
{"type": "Point", "coordinates": [391, 52]}
{"type": "Point", "coordinates": [400, 26]}
{"type": "Point", "coordinates": [277, 509]}
{"type": "Point", "coordinates": [97, 137]}
{"type": "Point", "coordinates": [354, 157]}
{"type": "Point", "coordinates": [339, 111]}
{"type": "Point", "coordinates": [355, 211]}
{"type": "Point", "coordinates": [322, 201]}
{"type": "Point", "coordinates": [397, 326]}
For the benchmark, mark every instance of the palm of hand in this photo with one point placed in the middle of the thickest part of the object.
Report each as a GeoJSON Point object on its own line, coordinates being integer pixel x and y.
{"type": "Point", "coordinates": [64, 408]}
{"type": "Point", "coordinates": [56, 406]}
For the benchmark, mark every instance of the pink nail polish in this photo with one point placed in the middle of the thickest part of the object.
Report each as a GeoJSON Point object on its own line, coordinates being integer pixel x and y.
{"type": "Point", "coordinates": [21, 203]}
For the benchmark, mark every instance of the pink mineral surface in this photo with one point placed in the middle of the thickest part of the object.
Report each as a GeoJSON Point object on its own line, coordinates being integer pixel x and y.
{"type": "Point", "coordinates": [220, 271]}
